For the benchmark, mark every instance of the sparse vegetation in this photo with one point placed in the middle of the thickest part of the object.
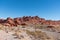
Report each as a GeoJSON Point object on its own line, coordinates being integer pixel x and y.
{"type": "Point", "coordinates": [38, 34]}
{"type": "Point", "coordinates": [29, 32]}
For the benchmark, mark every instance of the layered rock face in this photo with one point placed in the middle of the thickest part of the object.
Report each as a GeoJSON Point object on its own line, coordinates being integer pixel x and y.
{"type": "Point", "coordinates": [25, 20]}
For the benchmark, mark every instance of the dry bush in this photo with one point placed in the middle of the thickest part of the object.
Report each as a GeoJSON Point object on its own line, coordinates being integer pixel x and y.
{"type": "Point", "coordinates": [38, 35]}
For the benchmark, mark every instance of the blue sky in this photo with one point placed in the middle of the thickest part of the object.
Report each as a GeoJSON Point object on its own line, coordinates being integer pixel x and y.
{"type": "Point", "coordinates": [48, 9]}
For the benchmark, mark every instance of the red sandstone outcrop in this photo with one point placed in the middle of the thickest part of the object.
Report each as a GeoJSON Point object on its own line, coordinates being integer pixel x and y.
{"type": "Point", "coordinates": [25, 20]}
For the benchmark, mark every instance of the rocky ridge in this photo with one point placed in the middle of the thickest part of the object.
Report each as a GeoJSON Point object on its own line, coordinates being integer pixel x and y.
{"type": "Point", "coordinates": [25, 20]}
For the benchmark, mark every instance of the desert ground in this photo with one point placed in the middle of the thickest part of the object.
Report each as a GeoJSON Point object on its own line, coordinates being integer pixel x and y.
{"type": "Point", "coordinates": [29, 33]}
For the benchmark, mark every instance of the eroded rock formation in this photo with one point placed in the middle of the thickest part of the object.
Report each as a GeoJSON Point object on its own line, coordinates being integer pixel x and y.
{"type": "Point", "coordinates": [25, 20]}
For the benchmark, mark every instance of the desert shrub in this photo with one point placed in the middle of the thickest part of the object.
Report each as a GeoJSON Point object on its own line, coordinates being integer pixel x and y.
{"type": "Point", "coordinates": [18, 35]}
{"type": "Point", "coordinates": [38, 26]}
{"type": "Point", "coordinates": [38, 34]}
